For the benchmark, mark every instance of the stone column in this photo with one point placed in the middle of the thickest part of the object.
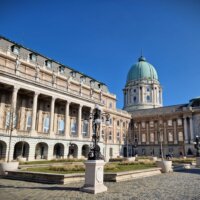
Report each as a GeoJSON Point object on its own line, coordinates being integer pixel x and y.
{"type": "Point", "coordinates": [185, 130]}
{"type": "Point", "coordinates": [175, 132]}
{"type": "Point", "coordinates": [67, 124]}
{"type": "Point", "coordinates": [14, 106]}
{"type": "Point", "coordinates": [80, 122]}
{"type": "Point", "coordinates": [2, 107]}
{"type": "Point", "coordinates": [147, 129]}
{"type": "Point", "coordinates": [34, 112]}
{"type": "Point", "coordinates": [191, 130]}
{"type": "Point", "coordinates": [156, 132]}
{"type": "Point", "coordinates": [142, 96]}
{"type": "Point", "coordinates": [22, 122]}
{"type": "Point", "coordinates": [139, 133]}
{"type": "Point", "coordinates": [51, 131]}
{"type": "Point", "coordinates": [14, 98]}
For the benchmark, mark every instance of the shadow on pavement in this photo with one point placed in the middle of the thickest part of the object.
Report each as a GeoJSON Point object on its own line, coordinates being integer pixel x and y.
{"type": "Point", "coordinates": [189, 171]}
{"type": "Point", "coordinates": [41, 188]}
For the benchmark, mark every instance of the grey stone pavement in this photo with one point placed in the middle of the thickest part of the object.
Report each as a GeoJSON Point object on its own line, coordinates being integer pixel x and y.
{"type": "Point", "coordinates": [182, 184]}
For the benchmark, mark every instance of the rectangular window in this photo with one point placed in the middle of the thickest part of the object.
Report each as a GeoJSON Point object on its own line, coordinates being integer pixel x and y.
{"type": "Point", "coordinates": [85, 128]}
{"type": "Point", "coordinates": [46, 124]}
{"type": "Point", "coordinates": [179, 122]}
{"type": "Point", "coordinates": [32, 57]}
{"type": "Point", "coordinates": [15, 49]}
{"type": "Point", "coordinates": [169, 122]}
{"type": "Point", "coordinates": [7, 124]}
{"type": "Point", "coordinates": [143, 137]}
{"type": "Point", "coordinates": [73, 126]}
{"type": "Point", "coordinates": [61, 126]}
{"type": "Point", "coordinates": [170, 137]}
{"type": "Point", "coordinates": [111, 152]}
{"type": "Point", "coordinates": [118, 137]}
{"type": "Point", "coordinates": [110, 136]}
{"type": "Point", "coordinates": [28, 122]}
{"type": "Point", "coordinates": [48, 64]}
{"type": "Point", "coordinates": [62, 69]}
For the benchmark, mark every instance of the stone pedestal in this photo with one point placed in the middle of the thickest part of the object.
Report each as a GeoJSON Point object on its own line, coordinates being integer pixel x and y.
{"type": "Point", "coordinates": [165, 165]}
{"type": "Point", "coordinates": [94, 173]}
{"type": "Point", "coordinates": [198, 161]}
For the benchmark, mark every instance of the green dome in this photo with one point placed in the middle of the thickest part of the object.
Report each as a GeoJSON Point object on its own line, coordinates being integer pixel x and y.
{"type": "Point", "coordinates": [142, 70]}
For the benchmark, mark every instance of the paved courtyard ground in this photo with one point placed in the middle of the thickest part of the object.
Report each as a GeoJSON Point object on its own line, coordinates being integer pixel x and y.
{"type": "Point", "coordinates": [182, 184]}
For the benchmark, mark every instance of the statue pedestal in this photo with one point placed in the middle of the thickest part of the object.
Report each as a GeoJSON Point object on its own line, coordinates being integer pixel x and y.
{"type": "Point", "coordinates": [94, 172]}
{"type": "Point", "coordinates": [198, 161]}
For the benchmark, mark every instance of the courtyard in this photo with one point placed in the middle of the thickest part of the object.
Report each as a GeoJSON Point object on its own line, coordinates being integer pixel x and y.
{"type": "Point", "coordinates": [182, 184]}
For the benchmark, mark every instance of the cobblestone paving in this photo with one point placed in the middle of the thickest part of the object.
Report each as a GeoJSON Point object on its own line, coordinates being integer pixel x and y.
{"type": "Point", "coordinates": [183, 185]}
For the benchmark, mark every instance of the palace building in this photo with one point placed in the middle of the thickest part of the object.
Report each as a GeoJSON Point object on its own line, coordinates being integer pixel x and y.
{"type": "Point", "coordinates": [46, 106]}
{"type": "Point", "coordinates": [152, 124]}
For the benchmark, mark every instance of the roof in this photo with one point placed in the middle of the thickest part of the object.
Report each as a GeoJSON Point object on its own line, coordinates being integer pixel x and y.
{"type": "Point", "coordinates": [35, 52]}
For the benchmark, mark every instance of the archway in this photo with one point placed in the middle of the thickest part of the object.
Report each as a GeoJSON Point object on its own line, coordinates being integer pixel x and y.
{"type": "Point", "coordinates": [41, 151]}
{"type": "Point", "coordinates": [85, 150]}
{"type": "Point", "coordinates": [73, 150]}
{"type": "Point", "coordinates": [21, 149]}
{"type": "Point", "coordinates": [58, 151]}
{"type": "Point", "coordinates": [2, 150]}
{"type": "Point", "coordinates": [125, 152]}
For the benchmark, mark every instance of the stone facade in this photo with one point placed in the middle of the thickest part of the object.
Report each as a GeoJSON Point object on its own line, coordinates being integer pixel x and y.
{"type": "Point", "coordinates": [47, 106]}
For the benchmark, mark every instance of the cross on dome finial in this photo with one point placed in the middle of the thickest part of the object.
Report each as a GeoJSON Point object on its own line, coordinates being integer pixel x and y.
{"type": "Point", "coordinates": [141, 58]}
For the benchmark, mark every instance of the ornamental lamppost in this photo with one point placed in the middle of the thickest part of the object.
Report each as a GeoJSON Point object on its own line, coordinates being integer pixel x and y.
{"type": "Point", "coordinates": [94, 153]}
{"type": "Point", "coordinates": [94, 166]}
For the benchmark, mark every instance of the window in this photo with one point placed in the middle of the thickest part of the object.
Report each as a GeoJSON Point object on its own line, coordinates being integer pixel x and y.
{"type": "Point", "coordinates": [85, 128]}
{"type": "Point", "coordinates": [28, 122]}
{"type": "Point", "coordinates": [111, 152]}
{"type": "Point", "coordinates": [15, 49]}
{"type": "Point", "coordinates": [117, 122]}
{"type": "Point", "coordinates": [61, 69]}
{"type": "Point", "coordinates": [124, 124]}
{"type": "Point", "coordinates": [118, 136]}
{"type": "Point", "coordinates": [9, 120]}
{"type": "Point", "coordinates": [143, 124]}
{"type": "Point", "coordinates": [148, 98]}
{"type": "Point", "coordinates": [110, 105]}
{"type": "Point", "coordinates": [48, 64]}
{"type": "Point", "coordinates": [124, 136]}
{"type": "Point", "coordinates": [83, 79]}
{"type": "Point", "coordinates": [134, 90]}
{"type": "Point", "coordinates": [179, 122]}
{"type": "Point", "coordinates": [152, 137]}
{"type": "Point", "coordinates": [143, 137]}
{"type": "Point", "coordinates": [73, 74]}
{"type": "Point", "coordinates": [46, 124]}
{"type": "Point", "coordinates": [102, 134]}
{"type": "Point", "coordinates": [170, 122]}
{"type": "Point", "coordinates": [102, 119]}
{"type": "Point", "coordinates": [110, 136]}
{"type": "Point", "coordinates": [110, 121]}
{"type": "Point", "coordinates": [134, 99]}
{"type": "Point", "coordinates": [148, 89]}
{"type": "Point", "coordinates": [7, 124]}
{"type": "Point", "coordinates": [73, 126]}
{"type": "Point", "coordinates": [180, 136]}
{"type": "Point", "coordinates": [61, 126]}
{"type": "Point", "coordinates": [170, 137]}
{"type": "Point", "coordinates": [151, 124]}
{"type": "Point", "coordinates": [33, 57]}
{"type": "Point", "coordinates": [92, 83]}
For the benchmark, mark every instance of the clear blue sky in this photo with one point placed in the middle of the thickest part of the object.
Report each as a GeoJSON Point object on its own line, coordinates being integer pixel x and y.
{"type": "Point", "coordinates": [103, 38]}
